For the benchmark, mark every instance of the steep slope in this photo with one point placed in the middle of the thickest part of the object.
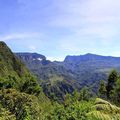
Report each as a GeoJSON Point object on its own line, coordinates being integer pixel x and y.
{"type": "Point", "coordinates": [53, 77]}
{"type": "Point", "coordinates": [12, 70]}
{"type": "Point", "coordinates": [13, 73]}
{"type": "Point", "coordinates": [21, 97]}
{"type": "Point", "coordinates": [9, 63]}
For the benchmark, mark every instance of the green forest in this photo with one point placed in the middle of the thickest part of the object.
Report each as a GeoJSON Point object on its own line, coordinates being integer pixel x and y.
{"type": "Point", "coordinates": [22, 98]}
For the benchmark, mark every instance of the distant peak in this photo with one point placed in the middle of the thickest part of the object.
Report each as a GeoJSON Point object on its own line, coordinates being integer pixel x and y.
{"type": "Point", "coordinates": [4, 47]}
{"type": "Point", "coordinates": [31, 56]}
{"type": "Point", "coordinates": [90, 54]}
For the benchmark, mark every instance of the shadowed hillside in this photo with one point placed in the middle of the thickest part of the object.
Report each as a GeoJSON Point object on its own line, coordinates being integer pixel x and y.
{"type": "Point", "coordinates": [73, 73]}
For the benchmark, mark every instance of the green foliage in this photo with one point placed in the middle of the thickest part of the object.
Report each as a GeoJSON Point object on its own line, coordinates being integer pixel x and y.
{"type": "Point", "coordinates": [21, 104]}
{"type": "Point", "coordinates": [72, 111]}
{"type": "Point", "coordinates": [111, 82]}
{"type": "Point", "coordinates": [31, 86]}
{"type": "Point", "coordinates": [6, 114]}
{"type": "Point", "coordinates": [112, 88]}
{"type": "Point", "coordinates": [76, 95]}
{"type": "Point", "coordinates": [58, 90]}
{"type": "Point", "coordinates": [84, 94]}
{"type": "Point", "coordinates": [85, 109]}
{"type": "Point", "coordinates": [102, 90]}
{"type": "Point", "coordinates": [21, 97]}
{"type": "Point", "coordinates": [103, 110]}
{"type": "Point", "coordinates": [74, 107]}
{"type": "Point", "coordinates": [116, 93]}
{"type": "Point", "coordinates": [9, 81]}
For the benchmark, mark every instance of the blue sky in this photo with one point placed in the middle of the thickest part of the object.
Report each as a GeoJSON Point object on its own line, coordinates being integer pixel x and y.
{"type": "Point", "coordinates": [56, 28]}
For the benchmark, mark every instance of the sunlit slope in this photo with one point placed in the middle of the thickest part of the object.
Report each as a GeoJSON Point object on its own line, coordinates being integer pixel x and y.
{"type": "Point", "coordinates": [21, 97]}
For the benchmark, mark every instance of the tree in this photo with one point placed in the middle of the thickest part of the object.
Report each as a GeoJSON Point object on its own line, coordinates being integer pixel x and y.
{"type": "Point", "coordinates": [111, 82]}
{"type": "Point", "coordinates": [67, 100]}
{"type": "Point", "coordinates": [75, 95]}
{"type": "Point", "coordinates": [84, 94]}
{"type": "Point", "coordinates": [102, 90]}
{"type": "Point", "coordinates": [116, 92]}
{"type": "Point", "coordinates": [31, 86]}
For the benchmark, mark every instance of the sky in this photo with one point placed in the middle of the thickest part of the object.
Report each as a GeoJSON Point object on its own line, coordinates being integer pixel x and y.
{"type": "Point", "coordinates": [56, 28]}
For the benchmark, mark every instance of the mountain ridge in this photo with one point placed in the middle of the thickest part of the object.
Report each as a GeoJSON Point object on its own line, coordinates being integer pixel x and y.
{"type": "Point", "coordinates": [81, 55]}
{"type": "Point", "coordinates": [27, 101]}
{"type": "Point", "coordinates": [73, 73]}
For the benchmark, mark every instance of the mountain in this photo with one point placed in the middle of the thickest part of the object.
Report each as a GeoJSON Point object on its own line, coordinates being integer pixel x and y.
{"type": "Point", "coordinates": [13, 73]}
{"type": "Point", "coordinates": [53, 77]}
{"type": "Point", "coordinates": [93, 60]}
{"type": "Point", "coordinates": [21, 97]}
{"type": "Point", "coordinates": [58, 78]}
{"type": "Point", "coordinates": [91, 68]}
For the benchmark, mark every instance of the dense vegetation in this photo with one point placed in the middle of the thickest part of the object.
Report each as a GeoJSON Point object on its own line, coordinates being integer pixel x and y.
{"type": "Point", "coordinates": [111, 90]}
{"type": "Point", "coordinates": [22, 98]}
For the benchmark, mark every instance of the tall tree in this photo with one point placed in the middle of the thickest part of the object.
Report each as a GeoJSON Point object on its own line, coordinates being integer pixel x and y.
{"type": "Point", "coordinates": [116, 92]}
{"type": "Point", "coordinates": [111, 82]}
{"type": "Point", "coordinates": [84, 94]}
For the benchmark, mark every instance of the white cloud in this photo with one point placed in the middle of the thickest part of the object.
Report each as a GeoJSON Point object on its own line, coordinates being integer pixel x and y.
{"type": "Point", "coordinates": [18, 36]}
{"type": "Point", "coordinates": [89, 10]}
{"type": "Point", "coordinates": [70, 26]}
{"type": "Point", "coordinates": [94, 24]}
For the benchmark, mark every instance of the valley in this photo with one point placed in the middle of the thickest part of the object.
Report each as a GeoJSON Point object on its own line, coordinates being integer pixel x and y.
{"type": "Point", "coordinates": [74, 72]}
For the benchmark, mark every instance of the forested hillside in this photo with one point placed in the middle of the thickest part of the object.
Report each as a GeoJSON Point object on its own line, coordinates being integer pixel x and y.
{"type": "Point", "coordinates": [22, 98]}
{"type": "Point", "coordinates": [52, 76]}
